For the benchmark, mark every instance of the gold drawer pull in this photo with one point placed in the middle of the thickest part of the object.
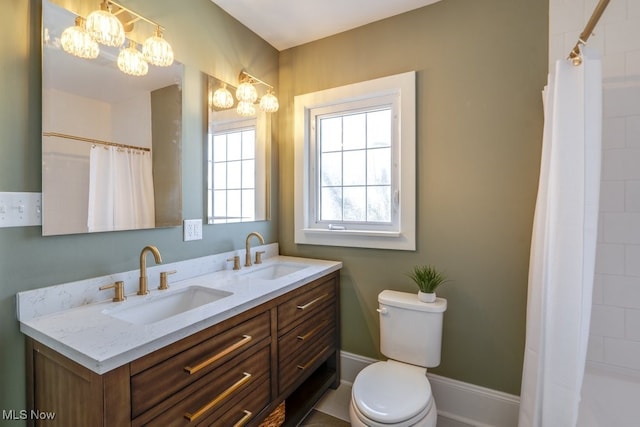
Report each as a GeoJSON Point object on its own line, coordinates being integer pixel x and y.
{"type": "Point", "coordinates": [312, 361]}
{"type": "Point", "coordinates": [243, 420]}
{"type": "Point", "coordinates": [312, 332]}
{"type": "Point", "coordinates": [310, 303]}
{"type": "Point", "coordinates": [192, 370]}
{"type": "Point", "coordinates": [192, 417]}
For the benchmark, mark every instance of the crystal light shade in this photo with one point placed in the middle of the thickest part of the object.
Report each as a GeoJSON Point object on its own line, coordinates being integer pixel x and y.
{"type": "Point", "coordinates": [105, 27]}
{"type": "Point", "coordinates": [130, 61]}
{"type": "Point", "coordinates": [76, 41]}
{"type": "Point", "coordinates": [221, 98]}
{"type": "Point", "coordinates": [269, 102]}
{"type": "Point", "coordinates": [157, 51]}
{"type": "Point", "coordinates": [246, 108]}
{"type": "Point", "coordinates": [246, 92]}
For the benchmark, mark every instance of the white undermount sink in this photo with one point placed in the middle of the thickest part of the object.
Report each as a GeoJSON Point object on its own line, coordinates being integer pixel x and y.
{"type": "Point", "coordinates": [274, 271]}
{"type": "Point", "coordinates": [163, 306]}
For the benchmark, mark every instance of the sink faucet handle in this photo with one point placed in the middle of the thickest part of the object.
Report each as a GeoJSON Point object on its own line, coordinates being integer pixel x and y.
{"type": "Point", "coordinates": [259, 257]}
{"type": "Point", "coordinates": [163, 279]}
{"type": "Point", "coordinates": [119, 289]}
{"type": "Point", "coordinates": [236, 262]}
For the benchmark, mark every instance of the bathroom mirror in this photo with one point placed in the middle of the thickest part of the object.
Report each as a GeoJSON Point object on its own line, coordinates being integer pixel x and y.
{"type": "Point", "coordinates": [237, 152]}
{"type": "Point", "coordinates": [111, 143]}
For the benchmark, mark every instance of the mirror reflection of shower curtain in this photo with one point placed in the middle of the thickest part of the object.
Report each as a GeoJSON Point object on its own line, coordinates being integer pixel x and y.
{"type": "Point", "coordinates": [563, 247]}
{"type": "Point", "coordinates": [120, 189]}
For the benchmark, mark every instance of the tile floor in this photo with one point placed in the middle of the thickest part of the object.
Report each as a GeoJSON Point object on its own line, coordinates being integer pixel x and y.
{"type": "Point", "coordinates": [333, 411]}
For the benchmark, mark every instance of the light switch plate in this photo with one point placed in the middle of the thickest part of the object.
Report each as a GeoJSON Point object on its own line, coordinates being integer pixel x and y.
{"type": "Point", "coordinates": [192, 229]}
{"type": "Point", "coordinates": [20, 209]}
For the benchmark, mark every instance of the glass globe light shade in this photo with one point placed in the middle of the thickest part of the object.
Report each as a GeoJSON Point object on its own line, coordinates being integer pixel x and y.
{"type": "Point", "coordinates": [76, 41]}
{"type": "Point", "coordinates": [222, 98]}
{"type": "Point", "coordinates": [246, 92]}
{"type": "Point", "coordinates": [130, 61]}
{"type": "Point", "coordinates": [246, 108]}
{"type": "Point", "coordinates": [105, 27]}
{"type": "Point", "coordinates": [269, 103]}
{"type": "Point", "coordinates": [157, 51]}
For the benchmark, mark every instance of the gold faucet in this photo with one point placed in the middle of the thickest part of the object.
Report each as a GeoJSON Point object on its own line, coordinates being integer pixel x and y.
{"type": "Point", "coordinates": [143, 267]}
{"type": "Point", "coordinates": [247, 258]}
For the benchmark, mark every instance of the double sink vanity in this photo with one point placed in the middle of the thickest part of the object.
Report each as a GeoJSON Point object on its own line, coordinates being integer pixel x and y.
{"type": "Point", "coordinates": [213, 346]}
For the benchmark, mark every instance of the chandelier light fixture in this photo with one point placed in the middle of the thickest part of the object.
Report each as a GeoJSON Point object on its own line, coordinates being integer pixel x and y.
{"type": "Point", "coordinates": [77, 41]}
{"type": "Point", "coordinates": [107, 26]}
{"type": "Point", "coordinates": [247, 95]}
{"type": "Point", "coordinates": [131, 62]}
{"type": "Point", "coordinates": [221, 98]}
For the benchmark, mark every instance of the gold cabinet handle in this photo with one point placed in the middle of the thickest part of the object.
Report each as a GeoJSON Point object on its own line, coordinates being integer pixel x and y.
{"type": "Point", "coordinates": [192, 370]}
{"type": "Point", "coordinates": [197, 414]}
{"type": "Point", "coordinates": [312, 361]}
{"type": "Point", "coordinates": [312, 302]}
{"type": "Point", "coordinates": [312, 332]}
{"type": "Point", "coordinates": [243, 420]}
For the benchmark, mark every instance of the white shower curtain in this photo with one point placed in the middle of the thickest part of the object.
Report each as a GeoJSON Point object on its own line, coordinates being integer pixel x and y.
{"type": "Point", "coordinates": [563, 246]}
{"type": "Point", "coordinates": [121, 195]}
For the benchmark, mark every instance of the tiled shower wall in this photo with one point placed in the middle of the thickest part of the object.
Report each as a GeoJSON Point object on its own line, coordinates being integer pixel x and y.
{"type": "Point", "coordinates": [615, 321]}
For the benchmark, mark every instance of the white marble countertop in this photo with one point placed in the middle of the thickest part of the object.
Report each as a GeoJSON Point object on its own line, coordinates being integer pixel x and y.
{"type": "Point", "coordinates": [74, 318]}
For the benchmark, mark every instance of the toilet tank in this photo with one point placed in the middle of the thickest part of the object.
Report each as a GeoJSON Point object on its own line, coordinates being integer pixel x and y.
{"type": "Point", "coordinates": [411, 330]}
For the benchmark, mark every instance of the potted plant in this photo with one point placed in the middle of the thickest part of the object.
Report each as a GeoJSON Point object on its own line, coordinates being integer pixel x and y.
{"type": "Point", "coordinates": [428, 279]}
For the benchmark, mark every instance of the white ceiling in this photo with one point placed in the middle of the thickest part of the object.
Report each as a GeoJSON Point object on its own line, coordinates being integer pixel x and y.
{"type": "Point", "coordinates": [288, 23]}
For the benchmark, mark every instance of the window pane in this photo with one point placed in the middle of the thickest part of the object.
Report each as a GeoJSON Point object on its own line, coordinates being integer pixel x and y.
{"type": "Point", "coordinates": [355, 200]}
{"type": "Point", "coordinates": [209, 175]}
{"type": "Point", "coordinates": [234, 200]}
{"type": "Point", "coordinates": [379, 166]}
{"type": "Point", "coordinates": [355, 135]}
{"type": "Point", "coordinates": [331, 169]}
{"type": "Point", "coordinates": [330, 134]}
{"type": "Point", "coordinates": [219, 204]}
{"type": "Point", "coordinates": [234, 175]}
{"type": "Point", "coordinates": [331, 204]}
{"type": "Point", "coordinates": [220, 148]}
{"type": "Point", "coordinates": [248, 205]}
{"type": "Point", "coordinates": [234, 146]}
{"type": "Point", "coordinates": [379, 204]}
{"type": "Point", "coordinates": [379, 129]}
{"type": "Point", "coordinates": [219, 176]}
{"type": "Point", "coordinates": [249, 144]}
{"type": "Point", "coordinates": [248, 174]}
{"type": "Point", "coordinates": [355, 167]}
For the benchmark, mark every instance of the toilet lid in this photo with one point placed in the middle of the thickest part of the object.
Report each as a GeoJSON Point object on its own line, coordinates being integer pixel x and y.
{"type": "Point", "coordinates": [391, 392]}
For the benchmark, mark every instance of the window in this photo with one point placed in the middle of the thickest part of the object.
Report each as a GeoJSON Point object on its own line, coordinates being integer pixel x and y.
{"type": "Point", "coordinates": [355, 155]}
{"type": "Point", "coordinates": [233, 162]}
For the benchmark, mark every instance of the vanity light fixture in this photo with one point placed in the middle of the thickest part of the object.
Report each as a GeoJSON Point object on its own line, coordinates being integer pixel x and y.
{"type": "Point", "coordinates": [247, 95]}
{"type": "Point", "coordinates": [221, 98]}
{"type": "Point", "coordinates": [105, 27]}
{"type": "Point", "coordinates": [77, 41]}
{"type": "Point", "coordinates": [131, 62]}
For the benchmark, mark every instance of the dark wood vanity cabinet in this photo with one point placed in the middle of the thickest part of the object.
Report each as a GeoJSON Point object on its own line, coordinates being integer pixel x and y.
{"type": "Point", "coordinates": [233, 373]}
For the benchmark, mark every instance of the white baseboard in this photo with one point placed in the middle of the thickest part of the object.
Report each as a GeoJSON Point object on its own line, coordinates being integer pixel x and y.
{"type": "Point", "coordinates": [456, 400]}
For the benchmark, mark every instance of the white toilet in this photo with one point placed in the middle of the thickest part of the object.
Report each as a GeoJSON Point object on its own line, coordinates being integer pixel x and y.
{"type": "Point", "coordinates": [397, 392]}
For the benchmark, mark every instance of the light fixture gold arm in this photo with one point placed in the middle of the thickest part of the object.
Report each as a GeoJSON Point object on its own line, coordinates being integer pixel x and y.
{"type": "Point", "coordinates": [244, 76]}
{"type": "Point", "coordinates": [137, 15]}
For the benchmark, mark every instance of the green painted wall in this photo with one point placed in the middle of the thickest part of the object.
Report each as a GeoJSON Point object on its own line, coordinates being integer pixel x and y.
{"type": "Point", "coordinates": [205, 39]}
{"type": "Point", "coordinates": [481, 66]}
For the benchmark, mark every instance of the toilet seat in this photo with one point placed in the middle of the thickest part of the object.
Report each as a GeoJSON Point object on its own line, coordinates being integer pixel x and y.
{"type": "Point", "coordinates": [391, 393]}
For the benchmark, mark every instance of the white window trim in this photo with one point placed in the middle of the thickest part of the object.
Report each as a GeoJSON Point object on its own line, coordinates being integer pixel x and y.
{"type": "Point", "coordinates": [405, 237]}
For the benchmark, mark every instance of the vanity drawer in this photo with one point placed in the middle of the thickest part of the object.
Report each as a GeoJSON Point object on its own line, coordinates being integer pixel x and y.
{"type": "Point", "coordinates": [306, 304]}
{"type": "Point", "coordinates": [156, 383]}
{"type": "Point", "coordinates": [306, 333]}
{"type": "Point", "coordinates": [240, 413]}
{"type": "Point", "coordinates": [236, 384]}
{"type": "Point", "coordinates": [303, 363]}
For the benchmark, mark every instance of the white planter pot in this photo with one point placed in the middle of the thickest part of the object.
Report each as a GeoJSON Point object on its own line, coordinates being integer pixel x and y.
{"type": "Point", "coordinates": [426, 297]}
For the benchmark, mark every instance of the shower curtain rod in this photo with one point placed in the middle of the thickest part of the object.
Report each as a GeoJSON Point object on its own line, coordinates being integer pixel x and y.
{"type": "Point", "coordinates": [588, 29]}
{"type": "Point", "coordinates": [94, 141]}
